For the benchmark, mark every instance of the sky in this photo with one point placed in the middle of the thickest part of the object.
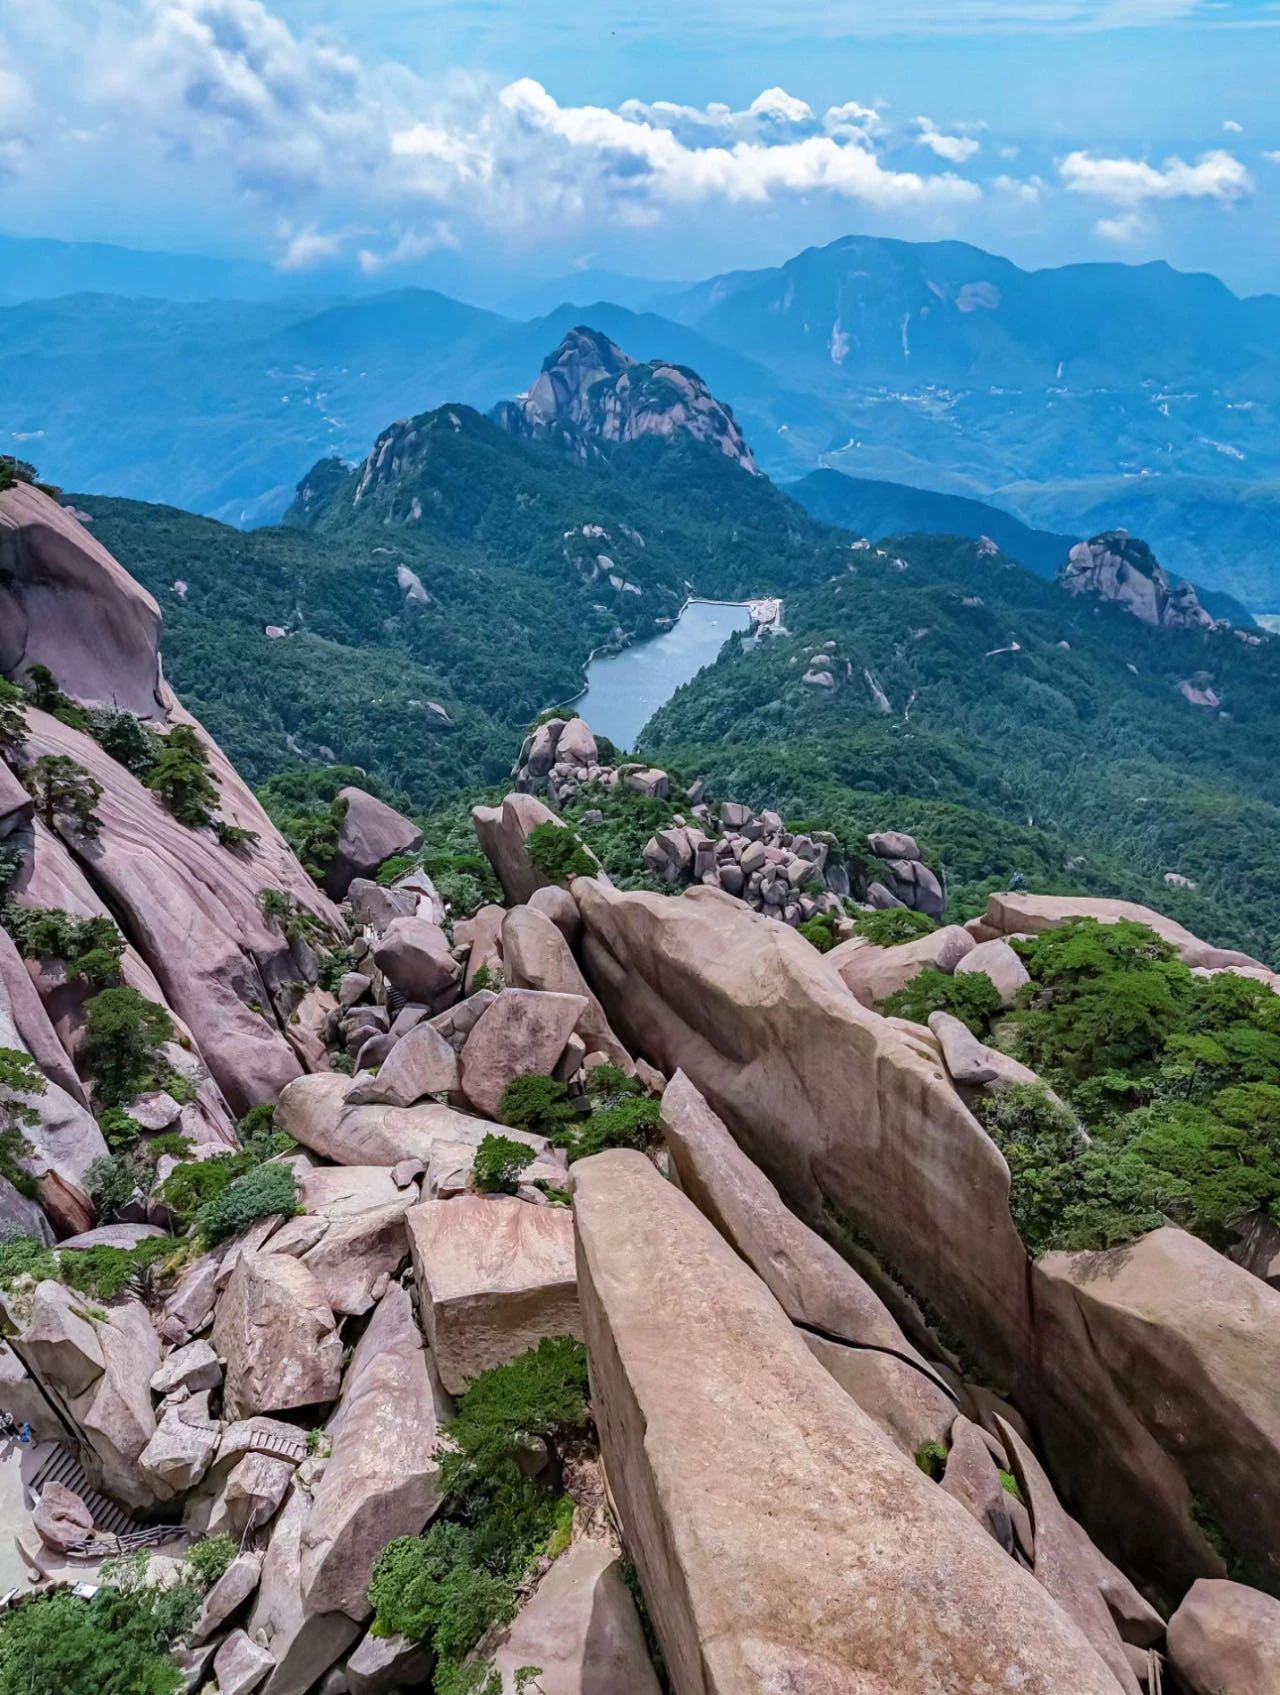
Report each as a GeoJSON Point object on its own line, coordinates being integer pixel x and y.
{"type": "Point", "coordinates": [490, 144]}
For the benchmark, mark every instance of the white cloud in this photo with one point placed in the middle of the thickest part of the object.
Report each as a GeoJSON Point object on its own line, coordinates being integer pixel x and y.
{"type": "Point", "coordinates": [1273, 158]}
{"type": "Point", "coordinates": [17, 122]}
{"type": "Point", "coordinates": [1232, 127]}
{"type": "Point", "coordinates": [307, 247]}
{"type": "Point", "coordinates": [408, 245]}
{"type": "Point", "coordinates": [1124, 227]}
{"type": "Point", "coordinates": [1026, 190]}
{"type": "Point", "coordinates": [1131, 182]}
{"type": "Point", "coordinates": [955, 148]}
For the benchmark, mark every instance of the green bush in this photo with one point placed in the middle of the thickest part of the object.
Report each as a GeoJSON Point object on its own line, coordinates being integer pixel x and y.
{"type": "Point", "coordinates": [123, 1036]}
{"type": "Point", "coordinates": [234, 836]}
{"type": "Point", "coordinates": [820, 931]}
{"type": "Point", "coordinates": [19, 1076]}
{"type": "Point", "coordinates": [460, 1578]}
{"type": "Point", "coordinates": [23, 1256]}
{"type": "Point", "coordinates": [498, 1164]}
{"type": "Point", "coordinates": [89, 947]}
{"type": "Point", "coordinates": [126, 738]}
{"type": "Point", "coordinates": [894, 925]}
{"type": "Point", "coordinates": [209, 1558]}
{"type": "Point", "coordinates": [931, 1457]}
{"type": "Point", "coordinates": [557, 852]}
{"type": "Point", "coordinates": [105, 1273]}
{"type": "Point", "coordinates": [539, 1104]}
{"type": "Point", "coordinates": [970, 996]}
{"type": "Point", "coordinates": [117, 1641]}
{"type": "Point", "coordinates": [628, 1121]}
{"type": "Point", "coordinates": [64, 792]}
{"type": "Point", "coordinates": [114, 1179]}
{"type": "Point", "coordinates": [606, 1080]}
{"type": "Point", "coordinates": [13, 717]}
{"type": "Point", "coordinates": [180, 775]}
{"type": "Point", "coordinates": [265, 1190]}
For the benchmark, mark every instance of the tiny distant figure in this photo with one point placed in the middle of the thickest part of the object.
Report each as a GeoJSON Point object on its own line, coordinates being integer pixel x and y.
{"type": "Point", "coordinates": [7, 1427]}
{"type": "Point", "coordinates": [25, 1434]}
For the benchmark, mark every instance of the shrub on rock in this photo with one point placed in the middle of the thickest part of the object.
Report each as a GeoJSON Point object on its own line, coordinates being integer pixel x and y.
{"type": "Point", "coordinates": [973, 998]}
{"type": "Point", "coordinates": [498, 1163]}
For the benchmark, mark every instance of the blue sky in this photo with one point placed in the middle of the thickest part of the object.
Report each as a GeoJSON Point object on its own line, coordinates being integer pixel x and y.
{"type": "Point", "coordinates": [510, 140]}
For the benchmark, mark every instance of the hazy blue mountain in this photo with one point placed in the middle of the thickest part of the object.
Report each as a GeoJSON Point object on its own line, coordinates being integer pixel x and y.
{"type": "Point", "coordinates": [584, 288]}
{"type": "Point", "coordinates": [878, 509]}
{"type": "Point", "coordinates": [33, 268]}
{"type": "Point", "coordinates": [1078, 399]}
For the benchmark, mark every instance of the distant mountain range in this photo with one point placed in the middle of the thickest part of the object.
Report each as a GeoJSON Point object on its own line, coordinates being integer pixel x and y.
{"type": "Point", "coordinates": [1077, 399]}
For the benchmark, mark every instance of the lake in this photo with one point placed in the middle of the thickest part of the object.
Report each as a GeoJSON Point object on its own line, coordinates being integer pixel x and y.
{"type": "Point", "coordinates": [625, 689]}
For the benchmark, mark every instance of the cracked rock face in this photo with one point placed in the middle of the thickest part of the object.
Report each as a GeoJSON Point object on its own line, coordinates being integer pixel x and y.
{"type": "Point", "coordinates": [1118, 567]}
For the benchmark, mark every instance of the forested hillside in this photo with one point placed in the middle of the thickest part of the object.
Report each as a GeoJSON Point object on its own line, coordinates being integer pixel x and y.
{"type": "Point", "coordinates": [1023, 735]}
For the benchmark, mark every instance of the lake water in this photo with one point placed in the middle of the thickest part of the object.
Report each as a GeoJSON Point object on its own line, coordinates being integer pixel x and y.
{"type": "Point", "coordinates": [625, 689]}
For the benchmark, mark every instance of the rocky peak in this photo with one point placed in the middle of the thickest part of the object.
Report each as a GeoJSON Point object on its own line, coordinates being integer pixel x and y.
{"type": "Point", "coordinates": [1119, 567]}
{"type": "Point", "coordinates": [590, 390]}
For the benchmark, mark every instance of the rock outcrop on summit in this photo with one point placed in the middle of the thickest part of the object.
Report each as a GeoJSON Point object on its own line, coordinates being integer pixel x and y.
{"type": "Point", "coordinates": [590, 390]}
{"type": "Point", "coordinates": [1118, 567]}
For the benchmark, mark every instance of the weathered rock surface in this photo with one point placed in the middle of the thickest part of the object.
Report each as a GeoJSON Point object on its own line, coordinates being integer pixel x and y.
{"type": "Point", "coordinates": [414, 956]}
{"type": "Point", "coordinates": [314, 1112]}
{"type": "Point", "coordinates": [1225, 1640]}
{"type": "Point", "coordinates": [709, 1406]}
{"type": "Point", "coordinates": [61, 1518]}
{"type": "Point", "coordinates": [381, 1480]}
{"type": "Point", "coordinates": [502, 832]}
{"type": "Point", "coordinates": [998, 961]}
{"type": "Point", "coordinates": [421, 1063]}
{"type": "Point", "coordinates": [1021, 913]}
{"type": "Point", "coordinates": [356, 1257]}
{"type": "Point", "coordinates": [229, 1593]}
{"type": "Point", "coordinates": [856, 1336]}
{"type": "Point", "coordinates": [874, 973]}
{"type": "Point", "coordinates": [537, 956]}
{"type": "Point", "coordinates": [115, 1414]}
{"type": "Point", "coordinates": [240, 1665]}
{"type": "Point", "coordinates": [1172, 1353]}
{"type": "Point", "coordinates": [833, 1106]}
{"type": "Point", "coordinates": [303, 1642]}
{"type": "Point", "coordinates": [275, 1330]}
{"type": "Point", "coordinates": [182, 1448]}
{"type": "Point", "coordinates": [495, 1275]}
{"type": "Point", "coordinates": [523, 1032]}
{"type": "Point", "coordinates": [972, 1478]}
{"type": "Point", "coordinates": [67, 604]}
{"type": "Point", "coordinates": [581, 1628]}
{"type": "Point", "coordinates": [370, 833]}
{"type": "Point", "coordinates": [384, 1665]}
{"type": "Point", "coordinates": [1121, 568]}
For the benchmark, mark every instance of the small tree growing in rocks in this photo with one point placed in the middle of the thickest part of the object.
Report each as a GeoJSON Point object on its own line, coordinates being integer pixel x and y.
{"type": "Point", "coordinates": [63, 790]}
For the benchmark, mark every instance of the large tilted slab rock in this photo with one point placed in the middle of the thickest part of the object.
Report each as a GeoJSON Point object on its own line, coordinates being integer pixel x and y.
{"type": "Point", "coordinates": [182, 1448]}
{"type": "Point", "coordinates": [16, 805]}
{"type": "Point", "coordinates": [420, 1064]}
{"type": "Point", "coordinates": [414, 956]}
{"type": "Point", "coordinates": [276, 1332]}
{"type": "Point", "coordinates": [537, 956]}
{"type": "Point", "coordinates": [495, 1275]}
{"type": "Point", "coordinates": [581, 1629]}
{"type": "Point", "coordinates": [502, 832]}
{"type": "Point", "coordinates": [64, 1139]}
{"type": "Point", "coordinates": [229, 1593]}
{"type": "Point", "coordinates": [1175, 1353]}
{"type": "Point", "coordinates": [67, 604]}
{"type": "Point", "coordinates": [1021, 913]}
{"type": "Point", "coordinates": [874, 973]}
{"type": "Point", "coordinates": [115, 1414]}
{"type": "Point", "coordinates": [314, 1112]}
{"type": "Point", "coordinates": [834, 1106]}
{"type": "Point", "coordinates": [822, 1094]}
{"type": "Point", "coordinates": [356, 1257]}
{"type": "Point", "coordinates": [859, 1340]}
{"type": "Point", "coordinates": [382, 1478]}
{"type": "Point", "coordinates": [240, 1665]}
{"type": "Point", "coordinates": [781, 1542]}
{"type": "Point", "coordinates": [1225, 1640]}
{"type": "Point", "coordinates": [523, 1032]}
{"type": "Point", "coordinates": [191, 908]}
{"type": "Point", "coordinates": [1084, 1584]}
{"type": "Point", "coordinates": [385, 1665]}
{"type": "Point", "coordinates": [370, 832]}
{"type": "Point", "coordinates": [303, 1641]}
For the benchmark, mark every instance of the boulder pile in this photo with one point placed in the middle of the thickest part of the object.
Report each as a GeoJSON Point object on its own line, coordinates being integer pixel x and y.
{"type": "Point", "coordinates": [561, 754]}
